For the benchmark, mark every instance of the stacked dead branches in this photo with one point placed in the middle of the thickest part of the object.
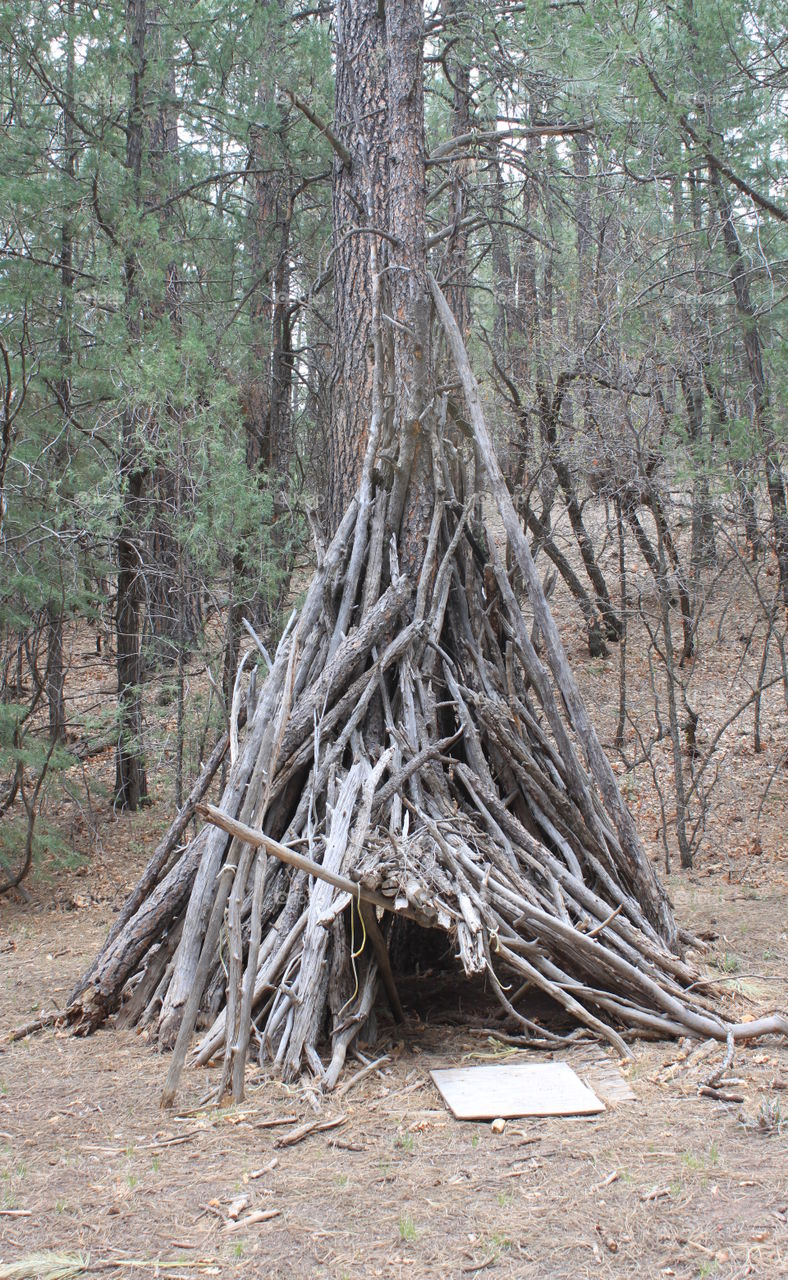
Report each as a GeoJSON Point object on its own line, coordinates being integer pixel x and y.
{"type": "Point", "coordinates": [409, 753]}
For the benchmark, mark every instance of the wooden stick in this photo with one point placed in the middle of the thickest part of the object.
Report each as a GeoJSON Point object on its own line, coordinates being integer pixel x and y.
{"type": "Point", "coordinates": [382, 956]}
{"type": "Point", "coordinates": [362, 1075]}
{"type": "Point", "coordinates": [197, 989]}
{"type": "Point", "coordinates": [160, 856]}
{"type": "Point", "coordinates": [41, 1023]}
{"type": "Point", "coordinates": [595, 932]}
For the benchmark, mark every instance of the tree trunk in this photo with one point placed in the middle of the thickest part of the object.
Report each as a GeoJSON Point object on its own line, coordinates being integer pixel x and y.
{"type": "Point", "coordinates": [458, 68]}
{"type": "Point", "coordinates": [360, 210]}
{"type": "Point", "coordinates": [55, 673]}
{"type": "Point", "coordinates": [256, 405]}
{"type": "Point", "coordinates": [761, 408]}
{"type": "Point", "coordinates": [741, 471]}
{"type": "Point", "coordinates": [550, 409]}
{"type": "Point", "coordinates": [413, 495]}
{"type": "Point", "coordinates": [173, 606]}
{"type": "Point", "coordinates": [268, 395]}
{"type": "Point", "coordinates": [702, 549]}
{"type": "Point", "coordinates": [131, 787]}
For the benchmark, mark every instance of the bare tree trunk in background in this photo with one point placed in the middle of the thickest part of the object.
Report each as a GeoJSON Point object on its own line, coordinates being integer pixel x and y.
{"type": "Point", "coordinates": [359, 208]}
{"type": "Point", "coordinates": [692, 326]}
{"type": "Point", "coordinates": [702, 546]}
{"type": "Point", "coordinates": [131, 786]}
{"type": "Point", "coordinates": [606, 619]}
{"type": "Point", "coordinates": [413, 494]}
{"type": "Point", "coordinates": [267, 396]}
{"type": "Point", "coordinates": [502, 264]}
{"type": "Point", "coordinates": [457, 66]}
{"type": "Point", "coordinates": [509, 338]}
{"type": "Point", "coordinates": [741, 471]}
{"type": "Point", "coordinates": [257, 415]}
{"type": "Point", "coordinates": [173, 603]}
{"type": "Point", "coordinates": [55, 673]}
{"type": "Point", "coordinates": [761, 408]}
{"type": "Point", "coordinates": [280, 403]}
{"type": "Point", "coordinates": [524, 328]}
{"type": "Point", "coordinates": [281, 345]}
{"type": "Point", "coordinates": [256, 402]}
{"type": "Point", "coordinates": [454, 270]}
{"type": "Point", "coordinates": [584, 318]}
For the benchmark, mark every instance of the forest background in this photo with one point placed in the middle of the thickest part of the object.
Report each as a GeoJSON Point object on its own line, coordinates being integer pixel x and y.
{"type": "Point", "coordinates": [607, 211]}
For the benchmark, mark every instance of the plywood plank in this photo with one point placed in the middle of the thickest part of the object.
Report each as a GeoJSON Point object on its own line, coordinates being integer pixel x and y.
{"type": "Point", "coordinates": [515, 1089]}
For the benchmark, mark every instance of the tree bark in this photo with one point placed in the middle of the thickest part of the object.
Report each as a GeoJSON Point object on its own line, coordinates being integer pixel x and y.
{"type": "Point", "coordinates": [412, 495]}
{"type": "Point", "coordinates": [360, 210]}
{"type": "Point", "coordinates": [55, 673]}
{"type": "Point", "coordinates": [458, 68]}
{"type": "Point", "coordinates": [131, 786]}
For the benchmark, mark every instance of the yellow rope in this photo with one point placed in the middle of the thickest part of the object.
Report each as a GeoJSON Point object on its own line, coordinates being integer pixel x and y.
{"type": "Point", "coordinates": [353, 953]}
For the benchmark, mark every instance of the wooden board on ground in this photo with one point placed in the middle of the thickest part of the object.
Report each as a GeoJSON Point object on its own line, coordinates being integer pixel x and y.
{"type": "Point", "coordinates": [506, 1090]}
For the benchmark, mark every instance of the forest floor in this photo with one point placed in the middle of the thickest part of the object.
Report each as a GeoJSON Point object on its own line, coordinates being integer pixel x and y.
{"type": "Point", "coordinates": [669, 1183]}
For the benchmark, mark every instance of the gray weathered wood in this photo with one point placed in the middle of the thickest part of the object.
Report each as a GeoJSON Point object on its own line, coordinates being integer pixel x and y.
{"type": "Point", "coordinates": [639, 868]}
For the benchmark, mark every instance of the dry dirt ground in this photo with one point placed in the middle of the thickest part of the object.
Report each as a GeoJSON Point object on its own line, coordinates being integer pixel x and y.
{"type": "Point", "coordinates": [667, 1184]}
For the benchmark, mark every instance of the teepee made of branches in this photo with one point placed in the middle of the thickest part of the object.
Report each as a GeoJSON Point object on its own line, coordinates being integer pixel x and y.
{"type": "Point", "coordinates": [409, 753]}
